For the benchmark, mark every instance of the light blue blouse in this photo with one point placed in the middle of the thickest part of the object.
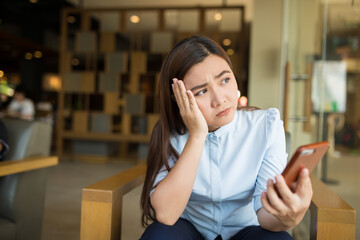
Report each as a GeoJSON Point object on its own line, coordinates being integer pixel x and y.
{"type": "Point", "coordinates": [235, 165]}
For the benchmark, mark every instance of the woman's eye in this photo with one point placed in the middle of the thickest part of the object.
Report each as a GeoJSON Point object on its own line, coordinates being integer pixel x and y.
{"type": "Point", "coordinates": [201, 92]}
{"type": "Point", "coordinates": [226, 80]}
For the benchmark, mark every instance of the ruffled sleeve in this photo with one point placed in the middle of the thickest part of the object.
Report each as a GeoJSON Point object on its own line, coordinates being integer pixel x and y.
{"type": "Point", "coordinates": [275, 156]}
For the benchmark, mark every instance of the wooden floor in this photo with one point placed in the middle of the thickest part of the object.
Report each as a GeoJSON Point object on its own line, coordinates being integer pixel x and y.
{"type": "Point", "coordinates": [63, 196]}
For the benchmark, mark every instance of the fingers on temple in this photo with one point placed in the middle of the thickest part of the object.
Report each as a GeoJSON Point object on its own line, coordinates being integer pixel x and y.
{"type": "Point", "coordinates": [192, 100]}
{"type": "Point", "coordinates": [174, 87]}
{"type": "Point", "coordinates": [176, 90]}
{"type": "Point", "coordinates": [180, 94]}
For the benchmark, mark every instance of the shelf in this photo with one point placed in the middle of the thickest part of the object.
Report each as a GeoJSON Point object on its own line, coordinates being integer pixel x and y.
{"type": "Point", "coordinates": [108, 102]}
{"type": "Point", "coordinates": [140, 138]}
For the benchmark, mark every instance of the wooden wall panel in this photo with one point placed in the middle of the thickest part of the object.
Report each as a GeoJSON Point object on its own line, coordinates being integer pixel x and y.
{"type": "Point", "coordinates": [107, 42]}
{"type": "Point", "coordinates": [80, 121]}
{"type": "Point", "coordinates": [138, 62]}
{"type": "Point", "coordinates": [111, 104]}
{"type": "Point", "coordinates": [88, 82]}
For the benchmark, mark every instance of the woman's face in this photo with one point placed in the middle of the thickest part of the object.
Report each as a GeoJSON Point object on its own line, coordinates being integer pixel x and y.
{"type": "Point", "coordinates": [215, 89]}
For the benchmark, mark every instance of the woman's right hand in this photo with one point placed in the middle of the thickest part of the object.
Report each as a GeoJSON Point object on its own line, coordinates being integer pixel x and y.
{"type": "Point", "coordinates": [193, 118]}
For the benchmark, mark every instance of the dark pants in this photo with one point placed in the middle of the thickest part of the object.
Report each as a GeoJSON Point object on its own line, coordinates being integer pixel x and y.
{"type": "Point", "coordinates": [183, 229]}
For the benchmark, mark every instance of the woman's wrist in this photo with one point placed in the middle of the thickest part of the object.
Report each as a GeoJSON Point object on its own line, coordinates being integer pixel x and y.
{"type": "Point", "coordinates": [201, 136]}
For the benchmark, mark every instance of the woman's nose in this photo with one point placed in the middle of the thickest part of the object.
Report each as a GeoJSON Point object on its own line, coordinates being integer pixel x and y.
{"type": "Point", "coordinates": [218, 98]}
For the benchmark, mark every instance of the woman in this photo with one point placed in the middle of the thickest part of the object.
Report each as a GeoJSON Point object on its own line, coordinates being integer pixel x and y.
{"type": "Point", "coordinates": [210, 166]}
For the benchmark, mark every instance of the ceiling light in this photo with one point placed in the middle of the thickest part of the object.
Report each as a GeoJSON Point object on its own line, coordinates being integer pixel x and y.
{"type": "Point", "coordinates": [135, 19]}
{"type": "Point", "coordinates": [218, 16]}
{"type": "Point", "coordinates": [227, 42]}
{"type": "Point", "coordinates": [55, 82]}
{"type": "Point", "coordinates": [33, 1]}
{"type": "Point", "coordinates": [28, 56]}
{"type": "Point", "coordinates": [38, 54]}
{"type": "Point", "coordinates": [230, 52]}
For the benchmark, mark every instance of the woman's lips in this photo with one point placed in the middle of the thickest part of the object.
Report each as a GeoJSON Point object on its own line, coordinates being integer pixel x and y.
{"type": "Point", "coordinates": [223, 113]}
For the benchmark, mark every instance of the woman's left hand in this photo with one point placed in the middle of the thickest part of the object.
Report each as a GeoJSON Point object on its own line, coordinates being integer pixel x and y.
{"type": "Point", "coordinates": [289, 207]}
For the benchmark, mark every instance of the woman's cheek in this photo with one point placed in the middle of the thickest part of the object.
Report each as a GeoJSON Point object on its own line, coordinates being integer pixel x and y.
{"type": "Point", "coordinates": [203, 109]}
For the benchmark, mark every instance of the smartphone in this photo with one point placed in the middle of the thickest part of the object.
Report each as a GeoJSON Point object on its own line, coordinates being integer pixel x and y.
{"type": "Point", "coordinates": [306, 156]}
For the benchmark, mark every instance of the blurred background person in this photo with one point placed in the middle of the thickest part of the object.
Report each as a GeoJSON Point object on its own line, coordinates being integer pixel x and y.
{"type": "Point", "coordinates": [44, 109]}
{"type": "Point", "coordinates": [20, 106]}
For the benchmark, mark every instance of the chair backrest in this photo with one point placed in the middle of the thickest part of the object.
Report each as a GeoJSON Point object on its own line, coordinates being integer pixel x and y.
{"type": "Point", "coordinates": [22, 195]}
{"type": "Point", "coordinates": [27, 138]}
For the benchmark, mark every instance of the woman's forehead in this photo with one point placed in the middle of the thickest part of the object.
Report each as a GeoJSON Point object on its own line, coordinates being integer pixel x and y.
{"type": "Point", "coordinates": [211, 66]}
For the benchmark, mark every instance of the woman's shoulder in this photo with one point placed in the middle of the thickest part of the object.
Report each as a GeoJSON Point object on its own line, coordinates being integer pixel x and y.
{"type": "Point", "coordinates": [259, 114]}
{"type": "Point", "coordinates": [272, 114]}
{"type": "Point", "coordinates": [267, 120]}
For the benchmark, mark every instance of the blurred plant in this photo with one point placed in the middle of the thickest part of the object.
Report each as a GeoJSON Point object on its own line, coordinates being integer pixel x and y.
{"type": "Point", "coordinates": [6, 89]}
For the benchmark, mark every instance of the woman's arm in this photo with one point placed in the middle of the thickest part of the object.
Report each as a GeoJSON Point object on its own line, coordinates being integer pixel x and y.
{"type": "Point", "coordinates": [282, 208]}
{"type": "Point", "coordinates": [173, 192]}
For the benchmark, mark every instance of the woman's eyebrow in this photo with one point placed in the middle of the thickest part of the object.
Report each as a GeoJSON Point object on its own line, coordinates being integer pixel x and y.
{"type": "Point", "coordinates": [222, 73]}
{"type": "Point", "coordinates": [199, 86]}
{"type": "Point", "coordinates": [217, 76]}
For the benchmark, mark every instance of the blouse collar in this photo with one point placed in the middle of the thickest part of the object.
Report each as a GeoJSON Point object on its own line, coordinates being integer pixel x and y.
{"type": "Point", "coordinates": [226, 128]}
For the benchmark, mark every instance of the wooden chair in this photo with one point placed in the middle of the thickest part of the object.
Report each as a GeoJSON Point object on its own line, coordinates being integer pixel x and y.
{"type": "Point", "coordinates": [22, 196]}
{"type": "Point", "coordinates": [23, 179]}
{"type": "Point", "coordinates": [101, 208]}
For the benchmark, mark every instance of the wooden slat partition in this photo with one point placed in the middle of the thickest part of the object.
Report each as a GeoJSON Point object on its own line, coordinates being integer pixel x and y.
{"type": "Point", "coordinates": [101, 206]}
{"type": "Point", "coordinates": [26, 164]}
{"type": "Point", "coordinates": [331, 216]}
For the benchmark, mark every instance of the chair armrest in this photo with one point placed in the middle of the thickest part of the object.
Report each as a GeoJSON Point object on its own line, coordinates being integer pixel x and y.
{"type": "Point", "coordinates": [101, 205]}
{"type": "Point", "coordinates": [26, 164]}
{"type": "Point", "coordinates": [331, 217]}
{"type": "Point", "coordinates": [101, 208]}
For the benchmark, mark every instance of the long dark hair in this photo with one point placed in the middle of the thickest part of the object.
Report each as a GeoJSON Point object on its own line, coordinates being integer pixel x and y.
{"type": "Point", "coordinates": [178, 62]}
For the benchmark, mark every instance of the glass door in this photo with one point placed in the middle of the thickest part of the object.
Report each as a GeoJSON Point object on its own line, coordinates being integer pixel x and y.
{"type": "Point", "coordinates": [305, 71]}
{"type": "Point", "coordinates": [322, 91]}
